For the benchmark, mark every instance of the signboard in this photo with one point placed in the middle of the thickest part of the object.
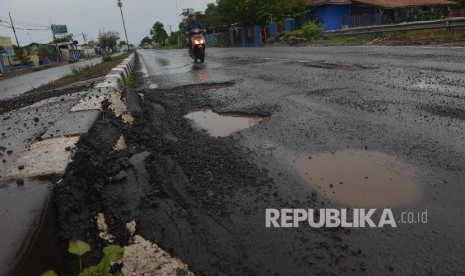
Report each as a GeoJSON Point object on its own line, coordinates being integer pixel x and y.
{"type": "Point", "coordinates": [59, 29]}
{"type": "Point", "coordinates": [6, 48]}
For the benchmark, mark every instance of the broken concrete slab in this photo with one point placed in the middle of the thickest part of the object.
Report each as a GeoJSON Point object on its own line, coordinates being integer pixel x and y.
{"type": "Point", "coordinates": [44, 158]}
{"type": "Point", "coordinates": [29, 234]}
{"type": "Point", "coordinates": [92, 101]}
{"type": "Point", "coordinates": [119, 108]}
{"type": "Point", "coordinates": [54, 100]}
{"type": "Point", "coordinates": [120, 144]}
{"type": "Point", "coordinates": [74, 123]}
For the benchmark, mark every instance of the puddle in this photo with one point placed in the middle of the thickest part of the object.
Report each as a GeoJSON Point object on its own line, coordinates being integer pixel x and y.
{"type": "Point", "coordinates": [333, 66]}
{"type": "Point", "coordinates": [222, 125]}
{"type": "Point", "coordinates": [163, 61]}
{"type": "Point", "coordinates": [444, 111]}
{"type": "Point", "coordinates": [361, 178]}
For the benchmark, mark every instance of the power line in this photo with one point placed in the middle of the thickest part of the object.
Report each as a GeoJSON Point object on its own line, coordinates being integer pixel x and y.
{"type": "Point", "coordinates": [21, 22]}
{"type": "Point", "coordinates": [24, 29]}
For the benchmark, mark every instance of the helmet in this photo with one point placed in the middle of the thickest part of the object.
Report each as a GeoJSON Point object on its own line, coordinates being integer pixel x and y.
{"type": "Point", "coordinates": [191, 14]}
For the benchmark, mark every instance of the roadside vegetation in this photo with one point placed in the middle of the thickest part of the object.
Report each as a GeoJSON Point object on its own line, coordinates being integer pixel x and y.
{"type": "Point", "coordinates": [86, 73]}
{"type": "Point", "coordinates": [79, 80]}
{"type": "Point", "coordinates": [111, 255]}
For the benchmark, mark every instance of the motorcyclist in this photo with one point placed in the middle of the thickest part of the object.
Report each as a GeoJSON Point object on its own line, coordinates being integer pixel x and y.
{"type": "Point", "coordinates": [192, 25]}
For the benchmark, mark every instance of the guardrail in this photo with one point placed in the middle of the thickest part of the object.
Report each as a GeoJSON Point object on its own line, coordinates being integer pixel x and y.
{"type": "Point", "coordinates": [410, 26]}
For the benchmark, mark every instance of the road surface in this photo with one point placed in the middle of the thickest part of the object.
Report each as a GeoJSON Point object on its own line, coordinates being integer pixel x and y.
{"type": "Point", "coordinates": [345, 128]}
{"type": "Point", "coordinates": [17, 85]}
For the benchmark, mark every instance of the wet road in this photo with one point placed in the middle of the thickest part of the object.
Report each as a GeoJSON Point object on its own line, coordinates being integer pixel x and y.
{"type": "Point", "coordinates": [379, 127]}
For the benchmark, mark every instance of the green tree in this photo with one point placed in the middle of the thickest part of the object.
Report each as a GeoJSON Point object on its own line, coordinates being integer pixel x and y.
{"type": "Point", "coordinates": [108, 38]}
{"type": "Point", "coordinates": [64, 38]}
{"type": "Point", "coordinates": [147, 40]}
{"type": "Point", "coordinates": [158, 33]}
{"type": "Point", "coordinates": [460, 4]}
{"type": "Point", "coordinates": [225, 13]}
{"type": "Point", "coordinates": [44, 52]}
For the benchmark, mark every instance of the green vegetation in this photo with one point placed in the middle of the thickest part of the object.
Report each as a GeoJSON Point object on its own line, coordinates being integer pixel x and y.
{"type": "Point", "coordinates": [146, 40]}
{"type": "Point", "coordinates": [90, 72]}
{"type": "Point", "coordinates": [49, 273]}
{"type": "Point", "coordinates": [63, 38]}
{"type": "Point", "coordinates": [108, 38]}
{"type": "Point", "coordinates": [79, 248]}
{"type": "Point", "coordinates": [158, 33]}
{"type": "Point", "coordinates": [310, 32]}
{"type": "Point", "coordinates": [111, 255]}
{"type": "Point", "coordinates": [222, 14]}
{"type": "Point", "coordinates": [106, 57]}
{"type": "Point", "coordinates": [127, 82]}
{"type": "Point", "coordinates": [344, 40]}
{"type": "Point", "coordinates": [44, 52]}
{"type": "Point", "coordinates": [460, 5]}
{"type": "Point", "coordinates": [437, 35]}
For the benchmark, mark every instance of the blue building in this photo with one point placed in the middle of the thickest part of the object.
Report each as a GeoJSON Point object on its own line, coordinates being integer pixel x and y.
{"type": "Point", "coordinates": [338, 14]}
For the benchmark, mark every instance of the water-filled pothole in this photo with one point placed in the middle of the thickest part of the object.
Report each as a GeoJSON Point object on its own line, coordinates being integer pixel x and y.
{"type": "Point", "coordinates": [361, 178]}
{"type": "Point", "coordinates": [333, 66]}
{"type": "Point", "coordinates": [222, 125]}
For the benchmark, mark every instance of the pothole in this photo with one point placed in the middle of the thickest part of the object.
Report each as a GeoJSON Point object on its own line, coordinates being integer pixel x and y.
{"type": "Point", "coordinates": [444, 111]}
{"type": "Point", "coordinates": [334, 66]}
{"type": "Point", "coordinates": [361, 178]}
{"type": "Point", "coordinates": [222, 125]}
{"type": "Point", "coordinates": [200, 87]}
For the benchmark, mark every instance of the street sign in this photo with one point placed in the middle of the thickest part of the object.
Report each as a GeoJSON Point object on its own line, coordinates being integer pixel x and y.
{"type": "Point", "coordinates": [6, 47]}
{"type": "Point", "coordinates": [59, 29]}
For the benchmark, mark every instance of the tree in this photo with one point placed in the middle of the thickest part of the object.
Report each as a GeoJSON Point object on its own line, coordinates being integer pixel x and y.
{"type": "Point", "coordinates": [108, 38]}
{"type": "Point", "coordinates": [44, 52]}
{"type": "Point", "coordinates": [64, 38]}
{"type": "Point", "coordinates": [225, 13]}
{"type": "Point", "coordinates": [460, 4]}
{"type": "Point", "coordinates": [158, 33]}
{"type": "Point", "coordinates": [145, 40]}
{"type": "Point", "coordinates": [122, 43]}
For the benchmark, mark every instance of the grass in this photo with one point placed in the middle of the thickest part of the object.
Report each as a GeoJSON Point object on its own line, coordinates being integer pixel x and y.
{"type": "Point", "coordinates": [87, 72]}
{"type": "Point", "coordinates": [343, 40]}
{"type": "Point", "coordinates": [438, 35]}
{"type": "Point", "coordinates": [127, 82]}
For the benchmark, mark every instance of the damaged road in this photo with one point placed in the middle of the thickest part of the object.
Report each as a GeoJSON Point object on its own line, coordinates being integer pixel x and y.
{"type": "Point", "coordinates": [320, 130]}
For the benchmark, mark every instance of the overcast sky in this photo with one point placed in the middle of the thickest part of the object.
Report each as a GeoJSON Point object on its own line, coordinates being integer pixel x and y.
{"type": "Point", "coordinates": [89, 16]}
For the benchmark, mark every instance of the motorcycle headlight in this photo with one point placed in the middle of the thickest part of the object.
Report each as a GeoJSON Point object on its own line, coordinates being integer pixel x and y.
{"type": "Point", "coordinates": [197, 42]}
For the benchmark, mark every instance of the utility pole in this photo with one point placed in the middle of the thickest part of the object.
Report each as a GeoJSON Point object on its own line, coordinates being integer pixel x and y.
{"type": "Point", "coordinates": [14, 31]}
{"type": "Point", "coordinates": [85, 43]}
{"type": "Point", "coordinates": [120, 5]}
{"type": "Point", "coordinates": [17, 42]}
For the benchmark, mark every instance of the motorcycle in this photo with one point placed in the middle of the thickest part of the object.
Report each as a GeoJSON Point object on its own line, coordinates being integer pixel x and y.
{"type": "Point", "coordinates": [197, 51]}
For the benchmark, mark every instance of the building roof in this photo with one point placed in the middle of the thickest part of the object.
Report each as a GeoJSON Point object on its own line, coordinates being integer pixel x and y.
{"type": "Point", "coordinates": [312, 3]}
{"type": "Point", "coordinates": [387, 4]}
{"type": "Point", "coordinates": [393, 4]}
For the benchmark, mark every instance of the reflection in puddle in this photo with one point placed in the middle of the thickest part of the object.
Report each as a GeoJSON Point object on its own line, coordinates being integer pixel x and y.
{"type": "Point", "coordinates": [154, 86]}
{"type": "Point", "coordinates": [361, 178]}
{"type": "Point", "coordinates": [223, 125]}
